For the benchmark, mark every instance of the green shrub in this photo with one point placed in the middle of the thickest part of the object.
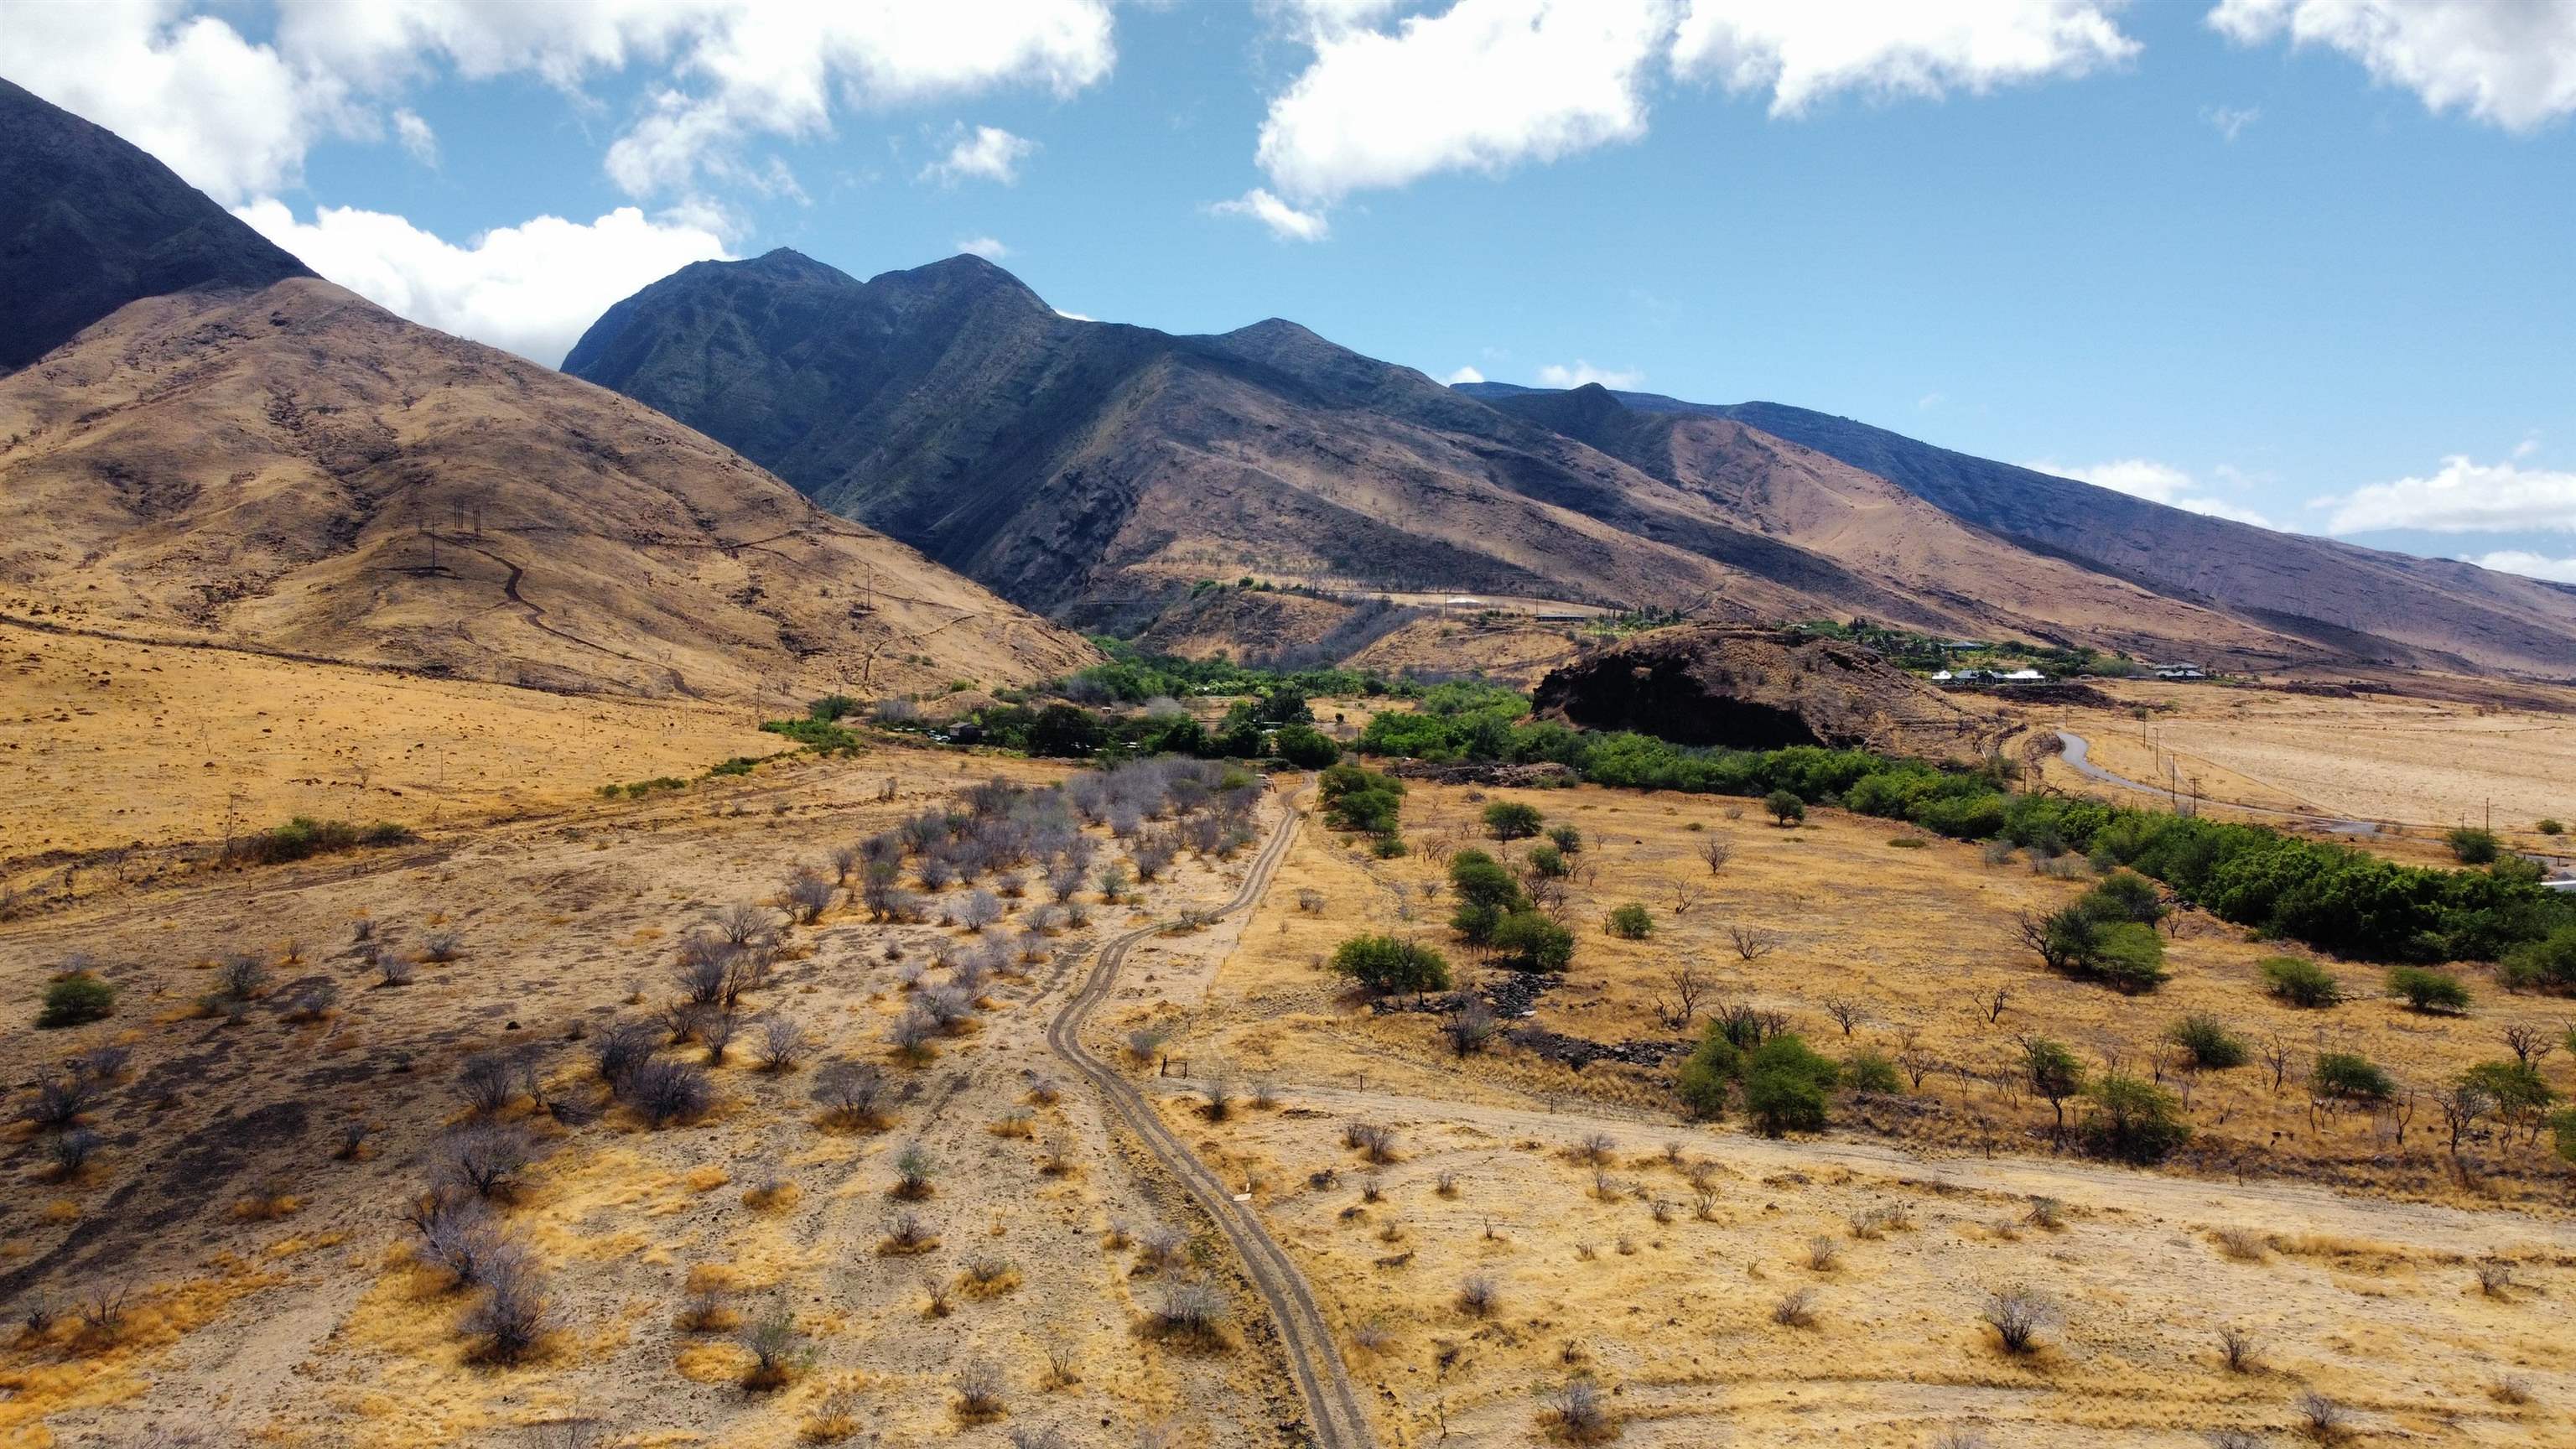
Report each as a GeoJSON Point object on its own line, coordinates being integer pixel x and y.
{"type": "Point", "coordinates": [2125, 895]}
{"type": "Point", "coordinates": [2129, 957]}
{"type": "Point", "coordinates": [2512, 1084]}
{"type": "Point", "coordinates": [2300, 982]}
{"type": "Point", "coordinates": [1511, 820]}
{"type": "Point", "coordinates": [2548, 964]}
{"type": "Point", "coordinates": [1356, 798]}
{"type": "Point", "coordinates": [831, 707]}
{"type": "Point", "coordinates": [304, 837]}
{"type": "Point", "coordinates": [2472, 846]}
{"type": "Point", "coordinates": [1785, 1086]}
{"type": "Point", "coordinates": [2562, 1133]}
{"type": "Point", "coordinates": [1870, 1070]}
{"type": "Point", "coordinates": [2209, 1044]}
{"type": "Point", "coordinates": [738, 765]}
{"type": "Point", "coordinates": [1386, 964]}
{"type": "Point", "coordinates": [2349, 1076]}
{"type": "Point", "coordinates": [1632, 922]}
{"type": "Point", "coordinates": [75, 1000]}
{"type": "Point", "coordinates": [1528, 941]}
{"type": "Point", "coordinates": [1305, 746]}
{"type": "Point", "coordinates": [1387, 846]}
{"type": "Point", "coordinates": [2132, 1120]}
{"type": "Point", "coordinates": [1785, 807]}
{"type": "Point", "coordinates": [2427, 990]}
{"type": "Point", "coordinates": [1486, 894]}
{"type": "Point", "coordinates": [1707, 1074]}
{"type": "Point", "coordinates": [1566, 838]}
{"type": "Point", "coordinates": [2052, 1073]}
{"type": "Point", "coordinates": [815, 733]}
{"type": "Point", "coordinates": [1547, 863]}
{"type": "Point", "coordinates": [2551, 827]}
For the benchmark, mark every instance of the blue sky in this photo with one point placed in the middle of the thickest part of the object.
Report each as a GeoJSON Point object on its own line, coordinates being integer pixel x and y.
{"type": "Point", "coordinates": [2311, 262]}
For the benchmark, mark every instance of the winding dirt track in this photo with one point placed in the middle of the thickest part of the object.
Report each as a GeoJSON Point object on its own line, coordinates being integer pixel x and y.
{"type": "Point", "coordinates": [1332, 1408]}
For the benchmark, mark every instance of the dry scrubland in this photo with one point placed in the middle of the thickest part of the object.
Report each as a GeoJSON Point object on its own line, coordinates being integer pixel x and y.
{"type": "Point", "coordinates": [1530, 1226]}
{"type": "Point", "coordinates": [271, 1294]}
{"type": "Point", "coordinates": [1658, 1275]}
{"type": "Point", "coordinates": [2418, 761]}
{"type": "Point", "coordinates": [107, 744]}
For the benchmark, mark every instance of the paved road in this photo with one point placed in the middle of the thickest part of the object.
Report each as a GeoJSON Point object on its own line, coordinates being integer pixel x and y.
{"type": "Point", "coordinates": [1332, 1408]}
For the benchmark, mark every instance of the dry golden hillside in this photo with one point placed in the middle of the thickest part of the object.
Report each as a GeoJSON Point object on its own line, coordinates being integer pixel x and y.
{"type": "Point", "coordinates": [299, 471]}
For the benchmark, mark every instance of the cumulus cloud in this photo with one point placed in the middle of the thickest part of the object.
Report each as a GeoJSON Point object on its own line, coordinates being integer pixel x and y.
{"type": "Point", "coordinates": [237, 118]}
{"type": "Point", "coordinates": [1464, 374]}
{"type": "Point", "coordinates": [1286, 222]}
{"type": "Point", "coordinates": [2510, 63]}
{"type": "Point", "coordinates": [2529, 565]}
{"type": "Point", "coordinates": [1559, 375]}
{"type": "Point", "coordinates": [989, 248]}
{"type": "Point", "coordinates": [531, 289]}
{"type": "Point", "coordinates": [986, 153]}
{"type": "Point", "coordinates": [2157, 483]}
{"type": "Point", "coordinates": [1484, 85]}
{"type": "Point", "coordinates": [1801, 51]}
{"type": "Point", "coordinates": [2462, 497]}
{"type": "Point", "coordinates": [232, 118]}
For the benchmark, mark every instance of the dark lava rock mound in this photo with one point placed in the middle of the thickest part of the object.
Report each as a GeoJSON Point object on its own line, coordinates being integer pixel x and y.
{"type": "Point", "coordinates": [1749, 688]}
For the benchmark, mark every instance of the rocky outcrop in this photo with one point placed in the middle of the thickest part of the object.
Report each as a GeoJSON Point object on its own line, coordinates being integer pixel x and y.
{"type": "Point", "coordinates": [1745, 688]}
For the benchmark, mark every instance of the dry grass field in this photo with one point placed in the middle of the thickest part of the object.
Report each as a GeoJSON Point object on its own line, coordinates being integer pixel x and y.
{"type": "Point", "coordinates": [231, 1257]}
{"type": "Point", "coordinates": [2341, 1240]}
{"type": "Point", "coordinates": [105, 744]}
{"type": "Point", "coordinates": [2427, 762]}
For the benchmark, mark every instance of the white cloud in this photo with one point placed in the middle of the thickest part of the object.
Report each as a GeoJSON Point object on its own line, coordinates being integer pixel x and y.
{"type": "Point", "coordinates": [989, 248]}
{"type": "Point", "coordinates": [1285, 222]}
{"type": "Point", "coordinates": [531, 288]}
{"type": "Point", "coordinates": [416, 137]}
{"type": "Point", "coordinates": [237, 118]}
{"type": "Point", "coordinates": [2157, 483]}
{"type": "Point", "coordinates": [2231, 121]}
{"type": "Point", "coordinates": [2464, 497]}
{"type": "Point", "coordinates": [232, 118]}
{"type": "Point", "coordinates": [2529, 565]}
{"type": "Point", "coordinates": [1484, 86]}
{"type": "Point", "coordinates": [986, 153]}
{"type": "Point", "coordinates": [2511, 63]}
{"type": "Point", "coordinates": [1802, 50]}
{"type": "Point", "coordinates": [1464, 374]}
{"type": "Point", "coordinates": [1558, 375]}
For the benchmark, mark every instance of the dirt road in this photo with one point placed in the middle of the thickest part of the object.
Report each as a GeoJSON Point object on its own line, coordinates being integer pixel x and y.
{"type": "Point", "coordinates": [1332, 1408]}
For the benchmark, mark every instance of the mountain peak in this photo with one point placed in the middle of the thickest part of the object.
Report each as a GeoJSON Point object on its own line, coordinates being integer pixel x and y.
{"type": "Point", "coordinates": [89, 222]}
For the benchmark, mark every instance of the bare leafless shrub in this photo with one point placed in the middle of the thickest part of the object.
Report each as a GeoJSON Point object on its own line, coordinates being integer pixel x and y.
{"type": "Point", "coordinates": [1596, 1149]}
{"type": "Point", "coordinates": [1577, 1412]}
{"type": "Point", "coordinates": [1479, 1295]}
{"type": "Point", "coordinates": [1823, 1253]}
{"type": "Point", "coordinates": [353, 1140]}
{"type": "Point", "coordinates": [441, 947]}
{"type": "Point", "coordinates": [2232, 1438]}
{"type": "Point", "coordinates": [2017, 1314]}
{"type": "Point", "coordinates": [1160, 1248]}
{"type": "Point", "coordinates": [102, 1311]}
{"type": "Point", "coordinates": [71, 1151]}
{"type": "Point", "coordinates": [664, 1092]}
{"type": "Point", "coordinates": [2238, 1349]}
{"type": "Point", "coordinates": [807, 894]}
{"type": "Point", "coordinates": [782, 1044]}
{"type": "Point", "coordinates": [911, 1033]}
{"type": "Point", "coordinates": [618, 1051]}
{"type": "Point", "coordinates": [1445, 1183]}
{"type": "Point", "coordinates": [457, 1237]}
{"type": "Point", "coordinates": [989, 1274]}
{"type": "Point", "coordinates": [1064, 1362]}
{"type": "Point", "coordinates": [2510, 1389]}
{"type": "Point", "coordinates": [393, 970]}
{"type": "Point", "coordinates": [978, 1384]}
{"type": "Point", "coordinates": [2047, 1213]}
{"type": "Point", "coordinates": [715, 1031]}
{"type": "Point", "coordinates": [1796, 1309]}
{"type": "Point", "coordinates": [1374, 1141]}
{"type": "Point", "coordinates": [2245, 1245]}
{"type": "Point", "coordinates": [485, 1159]}
{"type": "Point", "coordinates": [852, 1096]}
{"type": "Point", "coordinates": [1030, 1436]}
{"type": "Point", "coordinates": [1189, 1309]}
{"type": "Point", "coordinates": [514, 1313]}
{"type": "Point", "coordinates": [59, 1103]}
{"type": "Point", "coordinates": [1752, 943]}
{"type": "Point", "coordinates": [2322, 1418]}
{"type": "Point", "coordinates": [489, 1083]}
{"type": "Point", "coordinates": [935, 1289]}
{"type": "Point", "coordinates": [2495, 1277]}
{"type": "Point", "coordinates": [102, 1065]}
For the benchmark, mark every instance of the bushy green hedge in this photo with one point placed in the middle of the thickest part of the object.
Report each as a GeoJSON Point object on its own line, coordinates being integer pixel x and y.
{"type": "Point", "coordinates": [2329, 895]}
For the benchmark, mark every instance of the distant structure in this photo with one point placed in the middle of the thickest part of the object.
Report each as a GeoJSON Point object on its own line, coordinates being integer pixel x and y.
{"type": "Point", "coordinates": [2180, 671]}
